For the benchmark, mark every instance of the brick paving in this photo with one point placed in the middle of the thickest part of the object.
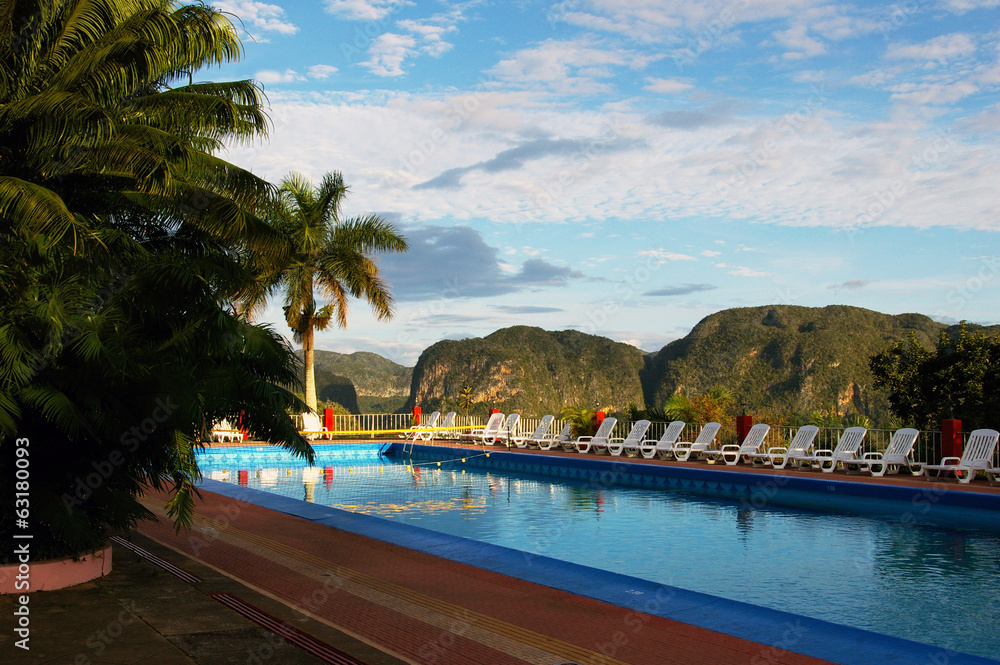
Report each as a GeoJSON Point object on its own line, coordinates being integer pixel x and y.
{"type": "Point", "coordinates": [425, 609]}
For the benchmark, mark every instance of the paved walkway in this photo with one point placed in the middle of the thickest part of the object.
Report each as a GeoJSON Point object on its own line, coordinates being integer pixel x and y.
{"type": "Point", "coordinates": [424, 609]}
{"type": "Point", "coordinates": [142, 614]}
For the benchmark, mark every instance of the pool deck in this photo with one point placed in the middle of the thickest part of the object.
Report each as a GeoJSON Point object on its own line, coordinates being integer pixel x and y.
{"type": "Point", "coordinates": [371, 601]}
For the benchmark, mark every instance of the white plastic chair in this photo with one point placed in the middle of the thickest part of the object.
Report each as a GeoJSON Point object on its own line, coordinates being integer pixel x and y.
{"type": "Point", "coordinates": [664, 446]}
{"type": "Point", "coordinates": [732, 453]}
{"type": "Point", "coordinates": [846, 450]}
{"type": "Point", "coordinates": [600, 439]}
{"type": "Point", "coordinates": [977, 456]}
{"type": "Point", "coordinates": [632, 440]}
{"type": "Point", "coordinates": [683, 450]}
{"type": "Point", "coordinates": [531, 440]}
{"type": "Point", "coordinates": [779, 456]}
{"type": "Point", "coordinates": [891, 460]}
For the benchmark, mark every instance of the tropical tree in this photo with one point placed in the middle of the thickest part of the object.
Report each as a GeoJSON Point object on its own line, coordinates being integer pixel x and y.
{"type": "Point", "coordinates": [330, 255]}
{"type": "Point", "coordinates": [959, 378]}
{"type": "Point", "coordinates": [124, 242]}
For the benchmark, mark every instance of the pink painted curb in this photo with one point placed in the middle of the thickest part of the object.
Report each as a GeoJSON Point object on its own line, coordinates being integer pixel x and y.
{"type": "Point", "coordinates": [52, 574]}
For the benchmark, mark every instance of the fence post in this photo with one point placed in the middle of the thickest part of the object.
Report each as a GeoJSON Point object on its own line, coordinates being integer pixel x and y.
{"type": "Point", "coordinates": [743, 425]}
{"type": "Point", "coordinates": [951, 438]}
{"type": "Point", "coordinates": [328, 421]}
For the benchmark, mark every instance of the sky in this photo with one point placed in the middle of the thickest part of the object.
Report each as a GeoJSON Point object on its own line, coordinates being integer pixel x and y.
{"type": "Point", "coordinates": [628, 168]}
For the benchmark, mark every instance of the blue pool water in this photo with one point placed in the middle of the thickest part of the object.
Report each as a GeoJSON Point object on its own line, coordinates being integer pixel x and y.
{"type": "Point", "coordinates": [908, 578]}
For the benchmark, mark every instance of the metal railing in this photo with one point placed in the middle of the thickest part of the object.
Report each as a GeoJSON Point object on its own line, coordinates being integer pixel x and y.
{"type": "Point", "coordinates": [389, 425]}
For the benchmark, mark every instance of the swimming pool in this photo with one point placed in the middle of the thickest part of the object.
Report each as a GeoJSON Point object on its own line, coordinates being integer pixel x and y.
{"type": "Point", "coordinates": [887, 565]}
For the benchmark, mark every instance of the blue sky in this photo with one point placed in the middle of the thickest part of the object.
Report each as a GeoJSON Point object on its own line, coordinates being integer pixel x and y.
{"type": "Point", "coordinates": [627, 168]}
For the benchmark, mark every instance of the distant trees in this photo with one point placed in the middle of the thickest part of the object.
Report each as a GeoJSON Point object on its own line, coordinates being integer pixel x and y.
{"type": "Point", "coordinates": [959, 378]}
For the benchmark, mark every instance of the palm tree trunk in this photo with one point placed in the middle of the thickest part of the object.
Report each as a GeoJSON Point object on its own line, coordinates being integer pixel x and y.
{"type": "Point", "coordinates": [309, 357]}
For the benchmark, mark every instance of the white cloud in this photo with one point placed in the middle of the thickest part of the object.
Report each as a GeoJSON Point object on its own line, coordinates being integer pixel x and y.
{"type": "Point", "coordinates": [933, 93]}
{"type": "Point", "coordinates": [939, 49]}
{"type": "Point", "coordinates": [743, 271]}
{"type": "Point", "coordinates": [388, 52]}
{"type": "Point", "coordinates": [665, 255]}
{"type": "Point", "coordinates": [321, 71]}
{"type": "Point", "coordinates": [799, 43]}
{"type": "Point", "coordinates": [667, 86]}
{"type": "Point", "coordinates": [566, 66]}
{"type": "Point", "coordinates": [963, 6]}
{"type": "Point", "coordinates": [710, 253]}
{"type": "Point", "coordinates": [271, 76]}
{"type": "Point", "coordinates": [363, 10]}
{"type": "Point", "coordinates": [258, 17]}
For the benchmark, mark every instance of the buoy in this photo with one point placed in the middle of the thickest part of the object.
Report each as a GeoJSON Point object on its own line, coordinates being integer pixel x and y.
{"type": "Point", "coordinates": [439, 463]}
{"type": "Point", "coordinates": [463, 460]}
{"type": "Point", "coordinates": [350, 470]}
{"type": "Point", "coordinates": [380, 469]}
{"type": "Point", "coordinates": [487, 454]}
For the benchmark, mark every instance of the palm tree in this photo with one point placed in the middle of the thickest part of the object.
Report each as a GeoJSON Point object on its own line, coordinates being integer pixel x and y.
{"type": "Point", "coordinates": [329, 255]}
{"type": "Point", "coordinates": [123, 242]}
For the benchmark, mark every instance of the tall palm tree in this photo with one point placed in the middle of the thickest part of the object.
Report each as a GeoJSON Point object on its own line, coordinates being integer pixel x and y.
{"type": "Point", "coordinates": [330, 257]}
{"type": "Point", "coordinates": [123, 241]}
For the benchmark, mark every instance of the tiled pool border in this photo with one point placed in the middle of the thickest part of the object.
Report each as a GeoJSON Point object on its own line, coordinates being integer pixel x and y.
{"type": "Point", "coordinates": [781, 630]}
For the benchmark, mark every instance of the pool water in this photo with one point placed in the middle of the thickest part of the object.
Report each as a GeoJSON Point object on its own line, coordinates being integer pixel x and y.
{"type": "Point", "coordinates": [920, 582]}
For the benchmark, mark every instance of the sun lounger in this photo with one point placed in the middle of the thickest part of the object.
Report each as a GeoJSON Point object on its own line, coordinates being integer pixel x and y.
{"type": "Point", "coordinates": [223, 431]}
{"type": "Point", "coordinates": [615, 445]}
{"type": "Point", "coordinates": [557, 441]}
{"type": "Point", "coordinates": [425, 430]}
{"type": "Point", "coordinates": [847, 449]}
{"type": "Point", "coordinates": [489, 431]}
{"type": "Point", "coordinates": [599, 442]}
{"type": "Point", "coordinates": [539, 434]}
{"type": "Point", "coordinates": [683, 449]}
{"type": "Point", "coordinates": [445, 427]}
{"type": "Point", "coordinates": [779, 456]}
{"type": "Point", "coordinates": [895, 457]}
{"type": "Point", "coordinates": [312, 428]}
{"type": "Point", "coordinates": [664, 446]}
{"type": "Point", "coordinates": [506, 431]}
{"type": "Point", "coordinates": [732, 453]}
{"type": "Point", "coordinates": [977, 456]}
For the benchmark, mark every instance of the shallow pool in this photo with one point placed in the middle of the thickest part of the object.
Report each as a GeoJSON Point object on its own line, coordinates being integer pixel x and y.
{"type": "Point", "coordinates": [902, 578]}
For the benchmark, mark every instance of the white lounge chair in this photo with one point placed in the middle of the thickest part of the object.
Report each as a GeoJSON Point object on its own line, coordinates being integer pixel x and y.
{"type": "Point", "coordinates": [425, 430]}
{"type": "Point", "coordinates": [557, 441]}
{"type": "Point", "coordinates": [664, 446]}
{"type": "Point", "coordinates": [223, 431]}
{"type": "Point", "coordinates": [489, 430]}
{"type": "Point", "coordinates": [847, 449]}
{"type": "Point", "coordinates": [977, 456]}
{"type": "Point", "coordinates": [732, 453]}
{"type": "Point", "coordinates": [600, 439]}
{"type": "Point", "coordinates": [779, 456]}
{"type": "Point", "coordinates": [538, 435]}
{"type": "Point", "coordinates": [446, 426]}
{"type": "Point", "coordinates": [891, 460]}
{"type": "Point", "coordinates": [506, 431]}
{"type": "Point", "coordinates": [706, 437]}
{"type": "Point", "coordinates": [634, 437]}
{"type": "Point", "coordinates": [312, 428]}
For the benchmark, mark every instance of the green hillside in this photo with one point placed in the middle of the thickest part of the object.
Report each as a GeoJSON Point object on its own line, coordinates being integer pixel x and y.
{"type": "Point", "coordinates": [529, 370]}
{"type": "Point", "coordinates": [362, 382]}
{"type": "Point", "coordinates": [786, 359]}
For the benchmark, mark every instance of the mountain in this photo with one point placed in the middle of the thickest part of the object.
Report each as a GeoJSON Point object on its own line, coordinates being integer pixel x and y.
{"type": "Point", "coordinates": [786, 359]}
{"type": "Point", "coordinates": [362, 382]}
{"type": "Point", "coordinates": [529, 370]}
